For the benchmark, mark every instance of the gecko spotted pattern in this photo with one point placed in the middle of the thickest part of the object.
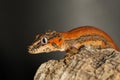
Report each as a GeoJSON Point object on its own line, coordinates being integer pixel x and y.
{"type": "Point", "coordinates": [63, 41]}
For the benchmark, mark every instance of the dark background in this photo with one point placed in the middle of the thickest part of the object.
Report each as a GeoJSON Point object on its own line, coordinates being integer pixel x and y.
{"type": "Point", "coordinates": [21, 20]}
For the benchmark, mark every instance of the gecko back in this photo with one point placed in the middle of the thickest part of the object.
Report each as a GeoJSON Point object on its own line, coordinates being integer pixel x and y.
{"type": "Point", "coordinates": [62, 41]}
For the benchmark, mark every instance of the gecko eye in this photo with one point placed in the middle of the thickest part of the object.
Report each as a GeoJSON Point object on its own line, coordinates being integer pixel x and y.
{"type": "Point", "coordinates": [44, 40]}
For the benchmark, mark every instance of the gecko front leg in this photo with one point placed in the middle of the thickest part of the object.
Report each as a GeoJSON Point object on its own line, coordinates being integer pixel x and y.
{"type": "Point", "coordinates": [73, 50]}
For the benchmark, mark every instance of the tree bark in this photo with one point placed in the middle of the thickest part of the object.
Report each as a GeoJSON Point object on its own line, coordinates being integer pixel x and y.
{"type": "Point", "coordinates": [87, 64]}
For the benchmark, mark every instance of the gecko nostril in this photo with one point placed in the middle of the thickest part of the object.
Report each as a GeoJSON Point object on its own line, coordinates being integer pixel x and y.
{"type": "Point", "coordinates": [29, 48]}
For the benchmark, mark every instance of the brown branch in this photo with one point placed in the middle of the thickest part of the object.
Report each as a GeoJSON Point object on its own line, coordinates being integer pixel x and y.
{"type": "Point", "coordinates": [87, 64]}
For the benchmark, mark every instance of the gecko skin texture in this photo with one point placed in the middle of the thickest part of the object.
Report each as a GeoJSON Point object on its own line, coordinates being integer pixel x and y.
{"type": "Point", "coordinates": [75, 38]}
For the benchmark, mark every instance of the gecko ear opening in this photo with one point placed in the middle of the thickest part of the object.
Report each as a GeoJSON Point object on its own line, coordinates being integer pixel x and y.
{"type": "Point", "coordinates": [44, 40]}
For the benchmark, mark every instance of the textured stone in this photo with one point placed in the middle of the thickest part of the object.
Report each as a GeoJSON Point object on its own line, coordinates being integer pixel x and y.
{"type": "Point", "coordinates": [87, 64]}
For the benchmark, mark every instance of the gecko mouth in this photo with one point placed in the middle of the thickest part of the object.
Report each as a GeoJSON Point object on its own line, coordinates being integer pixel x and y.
{"type": "Point", "coordinates": [32, 50]}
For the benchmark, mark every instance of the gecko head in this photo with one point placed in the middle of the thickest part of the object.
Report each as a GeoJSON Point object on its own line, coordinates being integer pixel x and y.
{"type": "Point", "coordinates": [48, 42]}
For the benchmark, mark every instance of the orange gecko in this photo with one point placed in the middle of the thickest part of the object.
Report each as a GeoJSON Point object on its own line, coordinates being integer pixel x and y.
{"type": "Point", "coordinates": [63, 41]}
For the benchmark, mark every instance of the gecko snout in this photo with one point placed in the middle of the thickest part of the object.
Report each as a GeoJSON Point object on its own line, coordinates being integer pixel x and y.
{"type": "Point", "coordinates": [30, 49]}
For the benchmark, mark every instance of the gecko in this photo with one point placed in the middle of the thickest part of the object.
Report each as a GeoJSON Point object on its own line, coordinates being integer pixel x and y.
{"type": "Point", "coordinates": [63, 41]}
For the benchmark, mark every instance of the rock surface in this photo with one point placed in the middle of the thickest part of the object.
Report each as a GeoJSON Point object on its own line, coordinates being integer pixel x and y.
{"type": "Point", "coordinates": [87, 64]}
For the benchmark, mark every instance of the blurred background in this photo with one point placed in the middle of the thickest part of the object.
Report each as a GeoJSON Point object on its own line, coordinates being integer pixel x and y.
{"type": "Point", "coordinates": [21, 20]}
